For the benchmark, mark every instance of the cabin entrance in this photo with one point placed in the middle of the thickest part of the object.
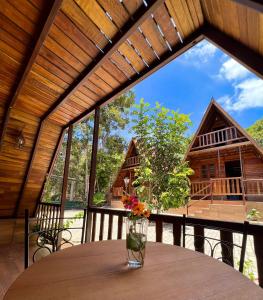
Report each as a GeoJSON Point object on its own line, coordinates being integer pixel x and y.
{"type": "Point", "coordinates": [233, 170]}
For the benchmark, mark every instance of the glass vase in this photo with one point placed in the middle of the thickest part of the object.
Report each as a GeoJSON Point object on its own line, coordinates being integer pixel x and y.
{"type": "Point", "coordinates": [136, 237]}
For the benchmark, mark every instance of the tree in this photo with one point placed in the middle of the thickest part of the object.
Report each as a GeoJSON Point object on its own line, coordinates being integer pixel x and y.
{"type": "Point", "coordinates": [256, 131]}
{"type": "Point", "coordinates": [114, 118]}
{"type": "Point", "coordinates": [162, 177]}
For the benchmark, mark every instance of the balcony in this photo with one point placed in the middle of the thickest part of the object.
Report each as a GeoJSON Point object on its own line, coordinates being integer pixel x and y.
{"type": "Point", "coordinates": [131, 162]}
{"type": "Point", "coordinates": [218, 137]}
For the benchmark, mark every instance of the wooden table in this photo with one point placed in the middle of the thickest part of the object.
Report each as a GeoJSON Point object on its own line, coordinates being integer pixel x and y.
{"type": "Point", "coordinates": [98, 271]}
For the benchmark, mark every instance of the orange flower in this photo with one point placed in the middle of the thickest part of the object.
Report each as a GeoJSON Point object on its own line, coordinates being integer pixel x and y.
{"type": "Point", "coordinates": [138, 209]}
{"type": "Point", "coordinates": [146, 213]}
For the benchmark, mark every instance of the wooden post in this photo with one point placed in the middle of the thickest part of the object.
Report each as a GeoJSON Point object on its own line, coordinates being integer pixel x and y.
{"type": "Point", "coordinates": [177, 233]}
{"type": "Point", "coordinates": [65, 183]}
{"type": "Point", "coordinates": [199, 240]}
{"type": "Point", "coordinates": [66, 172]}
{"type": "Point", "coordinates": [159, 230]}
{"type": "Point", "coordinates": [26, 239]}
{"type": "Point", "coordinates": [242, 177]}
{"type": "Point", "coordinates": [93, 164]}
{"type": "Point", "coordinates": [258, 246]}
{"type": "Point", "coordinates": [226, 238]}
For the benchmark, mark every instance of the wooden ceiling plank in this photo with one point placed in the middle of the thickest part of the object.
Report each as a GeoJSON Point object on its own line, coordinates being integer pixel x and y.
{"type": "Point", "coordinates": [128, 28]}
{"type": "Point", "coordinates": [83, 22]}
{"type": "Point", "coordinates": [257, 5]}
{"type": "Point", "coordinates": [39, 42]}
{"type": "Point", "coordinates": [116, 11]}
{"type": "Point", "coordinates": [58, 62]}
{"type": "Point", "coordinates": [122, 64]}
{"type": "Point", "coordinates": [163, 19]}
{"type": "Point", "coordinates": [179, 49]}
{"type": "Point", "coordinates": [152, 34]}
{"type": "Point", "coordinates": [243, 54]}
{"type": "Point", "coordinates": [14, 29]}
{"type": "Point", "coordinates": [70, 29]}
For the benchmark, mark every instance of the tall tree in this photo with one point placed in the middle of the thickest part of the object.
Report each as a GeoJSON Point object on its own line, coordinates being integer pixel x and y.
{"type": "Point", "coordinates": [114, 119]}
{"type": "Point", "coordinates": [162, 177]}
{"type": "Point", "coordinates": [256, 131]}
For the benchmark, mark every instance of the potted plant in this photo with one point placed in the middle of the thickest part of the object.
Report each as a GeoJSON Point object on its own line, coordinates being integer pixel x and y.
{"type": "Point", "coordinates": [136, 230]}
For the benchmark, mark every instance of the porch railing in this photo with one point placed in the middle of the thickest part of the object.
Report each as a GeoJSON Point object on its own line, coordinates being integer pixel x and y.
{"type": "Point", "coordinates": [229, 186]}
{"type": "Point", "coordinates": [132, 161]}
{"type": "Point", "coordinates": [217, 137]}
{"type": "Point", "coordinates": [107, 224]}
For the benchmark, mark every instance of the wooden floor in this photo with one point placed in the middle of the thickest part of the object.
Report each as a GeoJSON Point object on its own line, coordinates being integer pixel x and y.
{"type": "Point", "coordinates": [11, 265]}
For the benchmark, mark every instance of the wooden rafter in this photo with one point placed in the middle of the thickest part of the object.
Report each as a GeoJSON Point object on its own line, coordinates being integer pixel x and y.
{"type": "Point", "coordinates": [138, 18]}
{"type": "Point", "coordinates": [254, 4]}
{"type": "Point", "coordinates": [28, 65]}
{"type": "Point", "coordinates": [247, 57]}
{"type": "Point", "coordinates": [156, 65]}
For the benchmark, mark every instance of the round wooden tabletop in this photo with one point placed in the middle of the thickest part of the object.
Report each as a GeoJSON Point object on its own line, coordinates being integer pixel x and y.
{"type": "Point", "coordinates": [99, 271]}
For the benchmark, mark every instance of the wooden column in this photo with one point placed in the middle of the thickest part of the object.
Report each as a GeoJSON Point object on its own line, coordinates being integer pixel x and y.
{"type": "Point", "coordinates": [199, 240]}
{"type": "Point", "coordinates": [66, 172]}
{"type": "Point", "coordinates": [93, 164]}
{"type": "Point", "coordinates": [242, 177]}
{"type": "Point", "coordinates": [92, 177]}
{"type": "Point", "coordinates": [258, 245]}
{"type": "Point", "coordinates": [226, 238]}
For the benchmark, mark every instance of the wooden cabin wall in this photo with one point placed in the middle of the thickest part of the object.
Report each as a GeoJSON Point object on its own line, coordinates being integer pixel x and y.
{"type": "Point", "coordinates": [252, 163]}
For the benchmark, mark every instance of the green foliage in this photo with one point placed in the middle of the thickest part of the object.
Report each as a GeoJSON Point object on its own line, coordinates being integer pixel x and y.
{"type": "Point", "coordinates": [256, 131]}
{"type": "Point", "coordinates": [162, 177]}
{"type": "Point", "coordinates": [70, 222]}
{"type": "Point", "coordinates": [253, 214]}
{"type": "Point", "coordinates": [99, 199]}
{"type": "Point", "coordinates": [114, 117]}
{"type": "Point", "coordinates": [248, 269]}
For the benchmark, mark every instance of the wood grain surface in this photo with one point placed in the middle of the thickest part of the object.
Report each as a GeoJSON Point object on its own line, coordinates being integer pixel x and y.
{"type": "Point", "coordinates": [99, 270]}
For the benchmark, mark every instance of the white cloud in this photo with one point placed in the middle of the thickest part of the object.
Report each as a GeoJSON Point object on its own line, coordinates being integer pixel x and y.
{"type": "Point", "coordinates": [200, 53]}
{"type": "Point", "coordinates": [248, 94]}
{"type": "Point", "coordinates": [232, 70]}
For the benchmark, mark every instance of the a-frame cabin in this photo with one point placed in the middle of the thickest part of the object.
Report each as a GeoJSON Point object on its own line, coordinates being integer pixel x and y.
{"type": "Point", "coordinates": [227, 162]}
{"type": "Point", "coordinates": [126, 174]}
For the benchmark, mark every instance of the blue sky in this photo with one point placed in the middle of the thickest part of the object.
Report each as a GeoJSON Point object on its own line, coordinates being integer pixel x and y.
{"type": "Point", "coordinates": [189, 82]}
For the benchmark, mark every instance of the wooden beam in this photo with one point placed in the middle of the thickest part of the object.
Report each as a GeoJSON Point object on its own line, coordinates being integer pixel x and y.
{"type": "Point", "coordinates": [244, 55]}
{"type": "Point", "coordinates": [155, 66]}
{"type": "Point", "coordinates": [28, 65]}
{"type": "Point", "coordinates": [51, 166]}
{"type": "Point", "coordinates": [131, 26]}
{"type": "Point", "coordinates": [28, 168]}
{"type": "Point", "coordinates": [66, 172]}
{"type": "Point", "coordinates": [93, 164]}
{"type": "Point", "coordinates": [254, 4]}
{"type": "Point", "coordinates": [215, 149]}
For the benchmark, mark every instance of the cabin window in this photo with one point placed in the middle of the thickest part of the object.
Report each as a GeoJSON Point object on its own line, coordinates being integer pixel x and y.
{"type": "Point", "coordinates": [208, 171]}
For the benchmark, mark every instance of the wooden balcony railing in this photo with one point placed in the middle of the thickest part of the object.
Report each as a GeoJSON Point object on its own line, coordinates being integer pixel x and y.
{"type": "Point", "coordinates": [132, 161]}
{"type": "Point", "coordinates": [224, 135]}
{"type": "Point", "coordinates": [230, 186]}
{"type": "Point", "coordinates": [227, 186]}
{"type": "Point", "coordinates": [253, 187]}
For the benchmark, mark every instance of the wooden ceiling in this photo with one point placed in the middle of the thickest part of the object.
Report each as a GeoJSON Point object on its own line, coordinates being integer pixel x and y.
{"type": "Point", "coordinates": [61, 59]}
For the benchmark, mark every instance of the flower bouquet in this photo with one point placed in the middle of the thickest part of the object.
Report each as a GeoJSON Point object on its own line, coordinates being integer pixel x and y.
{"type": "Point", "coordinates": [136, 230]}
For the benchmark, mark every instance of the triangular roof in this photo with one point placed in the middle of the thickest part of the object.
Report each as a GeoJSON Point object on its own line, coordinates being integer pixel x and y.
{"type": "Point", "coordinates": [214, 105]}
